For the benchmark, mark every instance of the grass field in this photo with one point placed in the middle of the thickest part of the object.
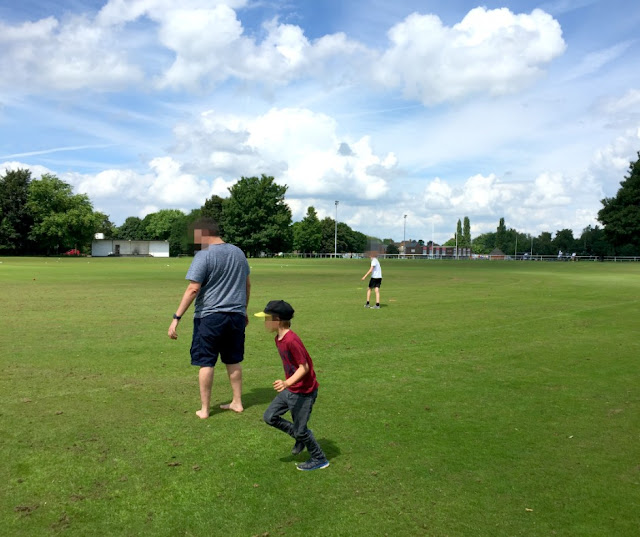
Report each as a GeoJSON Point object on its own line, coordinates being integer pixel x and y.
{"type": "Point", "coordinates": [482, 399]}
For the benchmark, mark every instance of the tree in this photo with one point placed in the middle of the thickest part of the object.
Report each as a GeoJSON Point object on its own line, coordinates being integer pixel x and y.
{"type": "Point", "coordinates": [307, 234]}
{"type": "Point", "coordinates": [458, 235]}
{"type": "Point", "coordinates": [131, 230]}
{"type": "Point", "coordinates": [594, 242]}
{"type": "Point", "coordinates": [564, 241]}
{"type": "Point", "coordinates": [484, 243]}
{"type": "Point", "coordinates": [214, 208]}
{"type": "Point", "coordinates": [256, 217]}
{"type": "Point", "coordinates": [157, 226]}
{"type": "Point", "coordinates": [180, 236]}
{"type": "Point", "coordinates": [501, 236]}
{"type": "Point", "coordinates": [15, 219]}
{"type": "Point", "coordinates": [392, 249]}
{"type": "Point", "coordinates": [106, 226]}
{"type": "Point", "coordinates": [620, 215]}
{"type": "Point", "coordinates": [61, 219]}
{"type": "Point", "coordinates": [466, 233]}
{"type": "Point", "coordinates": [355, 241]}
{"type": "Point", "coordinates": [543, 244]}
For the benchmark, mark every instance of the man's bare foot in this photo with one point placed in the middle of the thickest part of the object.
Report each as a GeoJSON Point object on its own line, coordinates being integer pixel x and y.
{"type": "Point", "coordinates": [232, 406]}
{"type": "Point", "coordinates": [202, 414]}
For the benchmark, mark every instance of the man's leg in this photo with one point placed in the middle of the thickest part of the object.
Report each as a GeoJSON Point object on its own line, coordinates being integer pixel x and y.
{"type": "Point", "coordinates": [235, 379]}
{"type": "Point", "coordinates": [232, 356]}
{"type": "Point", "coordinates": [205, 379]}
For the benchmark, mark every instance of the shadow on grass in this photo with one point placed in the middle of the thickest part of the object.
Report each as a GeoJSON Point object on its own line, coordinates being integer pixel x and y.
{"type": "Point", "coordinates": [330, 448]}
{"type": "Point", "coordinates": [257, 396]}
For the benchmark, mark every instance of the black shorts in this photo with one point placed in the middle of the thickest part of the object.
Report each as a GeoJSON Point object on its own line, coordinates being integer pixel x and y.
{"type": "Point", "coordinates": [375, 282]}
{"type": "Point", "coordinates": [218, 333]}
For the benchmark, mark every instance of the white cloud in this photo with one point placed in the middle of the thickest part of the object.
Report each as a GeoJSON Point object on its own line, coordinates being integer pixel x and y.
{"type": "Point", "coordinates": [165, 185]}
{"type": "Point", "coordinates": [122, 11]}
{"type": "Point", "coordinates": [594, 61]}
{"type": "Point", "coordinates": [629, 102]}
{"type": "Point", "coordinates": [611, 162]}
{"type": "Point", "coordinates": [71, 55]}
{"type": "Point", "coordinates": [300, 148]}
{"type": "Point", "coordinates": [36, 171]}
{"type": "Point", "coordinates": [489, 51]}
{"type": "Point", "coordinates": [492, 51]}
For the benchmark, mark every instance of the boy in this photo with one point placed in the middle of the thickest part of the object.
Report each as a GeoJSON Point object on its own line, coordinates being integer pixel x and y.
{"type": "Point", "coordinates": [375, 281]}
{"type": "Point", "coordinates": [298, 392]}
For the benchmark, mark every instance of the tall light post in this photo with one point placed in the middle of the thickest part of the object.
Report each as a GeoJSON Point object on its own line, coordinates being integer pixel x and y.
{"type": "Point", "coordinates": [404, 237]}
{"type": "Point", "coordinates": [335, 237]}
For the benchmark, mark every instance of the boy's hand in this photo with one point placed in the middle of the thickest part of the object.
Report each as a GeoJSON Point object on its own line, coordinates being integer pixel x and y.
{"type": "Point", "coordinates": [279, 385]}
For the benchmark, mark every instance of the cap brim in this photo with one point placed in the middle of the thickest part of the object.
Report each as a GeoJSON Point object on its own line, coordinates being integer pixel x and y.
{"type": "Point", "coordinates": [260, 314]}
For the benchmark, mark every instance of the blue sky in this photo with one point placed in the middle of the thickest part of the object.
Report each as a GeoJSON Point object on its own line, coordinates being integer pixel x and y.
{"type": "Point", "coordinates": [432, 109]}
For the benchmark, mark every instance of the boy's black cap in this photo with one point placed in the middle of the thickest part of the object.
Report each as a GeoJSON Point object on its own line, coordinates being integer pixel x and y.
{"type": "Point", "coordinates": [279, 308]}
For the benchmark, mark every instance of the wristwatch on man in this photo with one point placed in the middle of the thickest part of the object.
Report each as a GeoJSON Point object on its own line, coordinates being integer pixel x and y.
{"type": "Point", "coordinates": [176, 317]}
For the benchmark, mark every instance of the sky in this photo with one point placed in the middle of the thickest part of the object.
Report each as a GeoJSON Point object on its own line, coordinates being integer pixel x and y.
{"type": "Point", "coordinates": [410, 114]}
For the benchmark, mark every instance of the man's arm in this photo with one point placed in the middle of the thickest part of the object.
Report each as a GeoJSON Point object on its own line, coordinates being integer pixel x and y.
{"type": "Point", "coordinates": [302, 370]}
{"type": "Point", "coordinates": [189, 296]}
{"type": "Point", "coordinates": [246, 323]}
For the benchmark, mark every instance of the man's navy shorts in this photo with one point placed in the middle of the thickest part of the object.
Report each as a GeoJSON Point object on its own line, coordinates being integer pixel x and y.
{"type": "Point", "coordinates": [375, 282]}
{"type": "Point", "coordinates": [218, 333]}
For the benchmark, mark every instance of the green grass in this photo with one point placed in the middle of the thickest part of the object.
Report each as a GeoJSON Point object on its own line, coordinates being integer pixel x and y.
{"type": "Point", "coordinates": [484, 398]}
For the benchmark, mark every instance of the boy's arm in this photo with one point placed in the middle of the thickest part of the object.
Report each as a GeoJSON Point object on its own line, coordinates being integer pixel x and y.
{"type": "Point", "coordinates": [280, 385]}
{"type": "Point", "coordinates": [368, 272]}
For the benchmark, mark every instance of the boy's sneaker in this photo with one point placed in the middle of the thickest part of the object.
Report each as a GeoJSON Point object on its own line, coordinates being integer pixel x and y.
{"type": "Point", "coordinates": [367, 306]}
{"type": "Point", "coordinates": [313, 464]}
{"type": "Point", "coordinates": [376, 307]}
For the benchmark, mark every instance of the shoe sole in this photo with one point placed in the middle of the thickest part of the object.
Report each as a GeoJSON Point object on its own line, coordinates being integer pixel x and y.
{"type": "Point", "coordinates": [311, 469]}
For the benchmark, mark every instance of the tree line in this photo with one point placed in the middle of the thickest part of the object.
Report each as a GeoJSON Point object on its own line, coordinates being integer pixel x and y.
{"type": "Point", "coordinates": [619, 234]}
{"type": "Point", "coordinates": [44, 217]}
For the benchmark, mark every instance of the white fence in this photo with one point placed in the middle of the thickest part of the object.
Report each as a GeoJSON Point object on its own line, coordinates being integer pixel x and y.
{"type": "Point", "coordinates": [472, 257]}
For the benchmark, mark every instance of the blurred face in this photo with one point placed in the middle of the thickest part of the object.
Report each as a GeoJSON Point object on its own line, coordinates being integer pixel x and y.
{"type": "Point", "coordinates": [199, 234]}
{"type": "Point", "coordinates": [271, 324]}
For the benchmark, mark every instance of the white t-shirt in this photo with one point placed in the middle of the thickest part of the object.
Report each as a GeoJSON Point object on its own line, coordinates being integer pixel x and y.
{"type": "Point", "coordinates": [377, 271]}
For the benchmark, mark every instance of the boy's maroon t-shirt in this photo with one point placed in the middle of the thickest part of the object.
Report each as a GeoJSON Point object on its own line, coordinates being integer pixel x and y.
{"type": "Point", "coordinates": [294, 354]}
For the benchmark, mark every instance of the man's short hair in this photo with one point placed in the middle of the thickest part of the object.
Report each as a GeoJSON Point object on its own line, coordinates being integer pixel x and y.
{"type": "Point", "coordinates": [208, 226]}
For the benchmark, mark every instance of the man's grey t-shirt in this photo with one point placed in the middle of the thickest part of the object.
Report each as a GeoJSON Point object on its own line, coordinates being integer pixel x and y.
{"type": "Point", "coordinates": [222, 271]}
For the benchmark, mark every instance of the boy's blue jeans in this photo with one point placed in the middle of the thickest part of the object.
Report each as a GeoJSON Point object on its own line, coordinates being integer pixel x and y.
{"type": "Point", "coordinates": [300, 405]}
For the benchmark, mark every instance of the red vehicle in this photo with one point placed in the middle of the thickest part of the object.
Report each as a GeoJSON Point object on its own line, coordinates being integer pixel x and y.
{"type": "Point", "coordinates": [73, 251]}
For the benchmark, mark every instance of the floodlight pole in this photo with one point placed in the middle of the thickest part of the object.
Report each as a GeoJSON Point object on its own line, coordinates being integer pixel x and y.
{"type": "Point", "coordinates": [404, 237]}
{"type": "Point", "coordinates": [335, 238]}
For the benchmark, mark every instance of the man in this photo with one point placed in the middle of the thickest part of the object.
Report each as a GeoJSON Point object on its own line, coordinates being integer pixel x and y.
{"type": "Point", "coordinates": [375, 281]}
{"type": "Point", "coordinates": [219, 283]}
